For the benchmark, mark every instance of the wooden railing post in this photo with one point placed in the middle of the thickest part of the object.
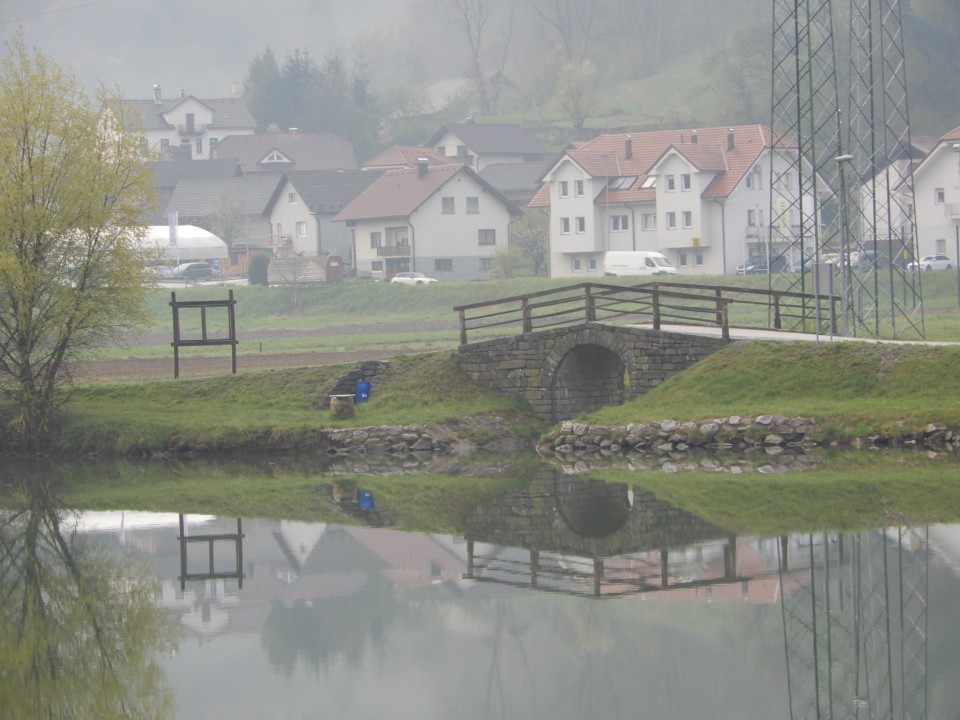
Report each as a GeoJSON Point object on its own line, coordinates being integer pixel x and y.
{"type": "Point", "coordinates": [656, 307]}
{"type": "Point", "coordinates": [590, 305]}
{"type": "Point", "coordinates": [527, 319]}
{"type": "Point", "coordinates": [725, 324]}
{"type": "Point", "coordinates": [463, 328]}
{"type": "Point", "coordinates": [718, 294]}
{"type": "Point", "coordinates": [777, 322]}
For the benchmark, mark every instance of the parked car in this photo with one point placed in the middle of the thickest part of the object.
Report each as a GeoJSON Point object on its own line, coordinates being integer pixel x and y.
{"type": "Point", "coordinates": [932, 262]}
{"type": "Point", "coordinates": [758, 265]}
{"type": "Point", "coordinates": [412, 278]}
{"type": "Point", "coordinates": [193, 271]}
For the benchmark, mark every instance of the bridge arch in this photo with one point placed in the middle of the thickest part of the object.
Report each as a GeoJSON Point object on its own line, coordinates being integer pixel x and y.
{"type": "Point", "coordinates": [585, 371]}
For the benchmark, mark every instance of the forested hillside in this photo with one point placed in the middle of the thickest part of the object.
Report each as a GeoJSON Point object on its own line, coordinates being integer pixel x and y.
{"type": "Point", "coordinates": [593, 63]}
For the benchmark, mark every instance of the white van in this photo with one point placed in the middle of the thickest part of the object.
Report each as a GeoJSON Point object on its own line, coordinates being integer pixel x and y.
{"type": "Point", "coordinates": [637, 262]}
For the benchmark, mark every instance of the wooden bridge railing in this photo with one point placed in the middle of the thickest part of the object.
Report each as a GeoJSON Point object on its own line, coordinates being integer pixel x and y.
{"type": "Point", "coordinates": [657, 303]}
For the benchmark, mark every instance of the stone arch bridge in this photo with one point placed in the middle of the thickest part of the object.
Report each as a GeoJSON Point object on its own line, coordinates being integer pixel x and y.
{"type": "Point", "coordinates": [584, 346]}
{"type": "Point", "coordinates": [565, 371]}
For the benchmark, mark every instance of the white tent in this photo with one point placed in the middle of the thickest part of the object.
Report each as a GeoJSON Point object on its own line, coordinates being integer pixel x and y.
{"type": "Point", "coordinates": [192, 243]}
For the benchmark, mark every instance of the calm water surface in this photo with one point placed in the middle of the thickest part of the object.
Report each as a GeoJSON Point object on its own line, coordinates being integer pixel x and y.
{"type": "Point", "coordinates": [569, 599]}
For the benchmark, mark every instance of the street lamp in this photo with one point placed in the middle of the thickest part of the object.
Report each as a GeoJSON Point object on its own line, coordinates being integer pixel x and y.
{"type": "Point", "coordinates": [845, 280]}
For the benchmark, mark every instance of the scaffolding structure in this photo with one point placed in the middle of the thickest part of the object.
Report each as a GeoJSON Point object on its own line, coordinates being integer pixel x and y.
{"type": "Point", "coordinates": [855, 625]}
{"type": "Point", "coordinates": [841, 193]}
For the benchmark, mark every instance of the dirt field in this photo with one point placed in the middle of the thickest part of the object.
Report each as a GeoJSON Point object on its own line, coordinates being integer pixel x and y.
{"type": "Point", "coordinates": [192, 365]}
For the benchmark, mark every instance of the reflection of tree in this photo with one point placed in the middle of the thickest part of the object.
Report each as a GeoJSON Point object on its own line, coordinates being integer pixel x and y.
{"type": "Point", "coordinates": [323, 630]}
{"type": "Point", "coordinates": [79, 630]}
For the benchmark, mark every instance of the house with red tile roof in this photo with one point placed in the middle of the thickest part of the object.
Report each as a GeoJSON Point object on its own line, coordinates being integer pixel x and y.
{"type": "Point", "coordinates": [444, 221]}
{"type": "Point", "coordinates": [698, 196]}
{"type": "Point", "coordinates": [404, 157]}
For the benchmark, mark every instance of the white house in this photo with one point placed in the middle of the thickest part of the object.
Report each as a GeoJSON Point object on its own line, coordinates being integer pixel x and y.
{"type": "Point", "coordinates": [187, 126]}
{"type": "Point", "coordinates": [481, 144]}
{"type": "Point", "coordinates": [700, 196]}
{"type": "Point", "coordinates": [936, 195]}
{"type": "Point", "coordinates": [443, 221]}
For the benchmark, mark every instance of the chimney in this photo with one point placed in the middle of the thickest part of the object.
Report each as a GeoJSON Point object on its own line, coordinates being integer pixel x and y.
{"type": "Point", "coordinates": [157, 98]}
{"type": "Point", "coordinates": [421, 167]}
{"type": "Point", "coordinates": [730, 143]}
{"type": "Point", "coordinates": [628, 148]}
{"type": "Point", "coordinates": [693, 137]}
{"type": "Point", "coordinates": [181, 94]}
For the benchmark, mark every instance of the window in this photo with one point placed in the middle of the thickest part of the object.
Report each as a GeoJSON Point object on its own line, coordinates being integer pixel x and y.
{"type": "Point", "coordinates": [575, 263]}
{"type": "Point", "coordinates": [941, 246]}
{"type": "Point", "coordinates": [581, 225]}
{"type": "Point", "coordinates": [473, 206]}
{"type": "Point", "coordinates": [685, 181]}
{"type": "Point", "coordinates": [751, 217]}
{"type": "Point", "coordinates": [487, 237]}
{"type": "Point", "coordinates": [443, 265]}
{"type": "Point", "coordinates": [687, 217]}
{"type": "Point", "coordinates": [622, 183]}
{"type": "Point", "coordinates": [671, 221]}
{"type": "Point", "coordinates": [592, 264]}
{"type": "Point", "coordinates": [274, 157]}
{"type": "Point", "coordinates": [648, 221]}
{"type": "Point", "coordinates": [376, 266]}
{"type": "Point", "coordinates": [671, 183]}
{"type": "Point", "coordinates": [698, 259]}
{"type": "Point", "coordinates": [374, 240]}
{"type": "Point", "coordinates": [578, 188]}
{"type": "Point", "coordinates": [682, 259]}
{"type": "Point", "coordinates": [619, 222]}
{"type": "Point", "coordinates": [213, 143]}
{"type": "Point", "coordinates": [191, 122]}
{"type": "Point", "coordinates": [292, 198]}
{"type": "Point", "coordinates": [749, 181]}
{"type": "Point", "coordinates": [301, 229]}
{"type": "Point", "coordinates": [486, 263]}
{"type": "Point", "coordinates": [199, 146]}
{"type": "Point", "coordinates": [938, 196]}
{"type": "Point", "coordinates": [565, 226]}
{"type": "Point", "coordinates": [563, 189]}
{"type": "Point", "coordinates": [462, 151]}
{"type": "Point", "coordinates": [448, 206]}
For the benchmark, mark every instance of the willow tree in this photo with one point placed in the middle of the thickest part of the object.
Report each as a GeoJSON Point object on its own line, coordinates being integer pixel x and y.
{"type": "Point", "coordinates": [74, 192]}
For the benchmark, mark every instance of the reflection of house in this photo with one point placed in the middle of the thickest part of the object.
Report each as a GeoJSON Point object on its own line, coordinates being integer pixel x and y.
{"type": "Point", "coordinates": [483, 144]}
{"type": "Point", "coordinates": [444, 221]}
{"type": "Point", "coordinates": [188, 127]}
{"type": "Point", "coordinates": [697, 196]}
{"type": "Point", "coordinates": [285, 152]}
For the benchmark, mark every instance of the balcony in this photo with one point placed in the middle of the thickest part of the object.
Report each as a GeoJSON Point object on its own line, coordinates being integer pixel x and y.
{"type": "Point", "coordinates": [393, 251]}
{"type": "Point", "coordinates": [281, 241]}
{"type": "Point", "coordinates": [952, 210]}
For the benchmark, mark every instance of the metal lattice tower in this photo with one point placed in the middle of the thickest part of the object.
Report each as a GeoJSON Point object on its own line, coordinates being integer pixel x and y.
{"type": "Point", "coordinates": [854, 619]}
{"type": "Point", "coordinates": [823, 174]}
{"type": "Point", "coordinates": [884, 297]}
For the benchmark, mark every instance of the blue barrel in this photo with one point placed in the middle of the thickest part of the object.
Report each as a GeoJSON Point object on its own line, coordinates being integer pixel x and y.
{"type": "Point", "coordinates": [362, 392]}
{"type": "Point", "coordinates": [365, 499]}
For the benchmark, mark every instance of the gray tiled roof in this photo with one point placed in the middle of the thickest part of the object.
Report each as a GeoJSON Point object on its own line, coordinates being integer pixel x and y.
{"type": "Point", "coordinates": [170, 172]}
{"type": "Point", "coordinates": [306, 151]}
{"type": "Point", "coordinates": [492, 138]}
{"type": "Point", "coordinates": [202, 197]}
{"type": "Point", "coordinates": [328, 191]}
{"type": "Point", "coordinates": [227, 113]}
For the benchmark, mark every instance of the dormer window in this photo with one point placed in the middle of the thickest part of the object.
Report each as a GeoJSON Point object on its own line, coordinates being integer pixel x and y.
{"type": "Point", "coordinates": [621, 183]}
{"type": "Point", "coordinates": [275, 157]}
